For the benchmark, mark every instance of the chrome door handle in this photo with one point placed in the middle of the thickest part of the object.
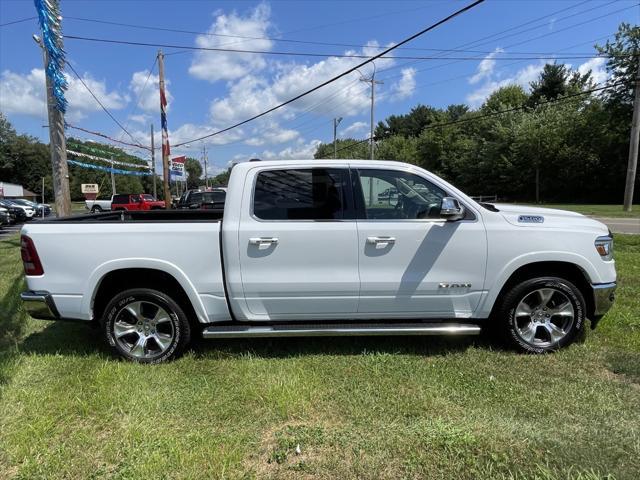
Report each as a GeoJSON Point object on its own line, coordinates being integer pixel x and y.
{"type": "Point", "coordinates": [379, 240]}
{"type": "Point", "coordinates": [263, 241]}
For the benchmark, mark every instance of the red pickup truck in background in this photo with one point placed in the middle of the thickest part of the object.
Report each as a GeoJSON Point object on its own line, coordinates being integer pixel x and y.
{"type": "Point", "coordinates": [135, 201]}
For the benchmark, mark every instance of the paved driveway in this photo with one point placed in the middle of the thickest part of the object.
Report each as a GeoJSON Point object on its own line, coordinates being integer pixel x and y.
{"type": "Point", "coordinates": [621, 225]}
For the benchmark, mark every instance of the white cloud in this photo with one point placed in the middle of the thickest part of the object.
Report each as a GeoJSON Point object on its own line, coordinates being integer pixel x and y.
{"type": "Point", "coordinates": [146, 91]}
{"type": "Point", "coordinates": [523, 77]}
{"type": "Point", "coordinates": [354, 129]}
{"type": "Point", "coordinates": [300, 152]}
{"type": "Point", "coordinates": [405, 87]}
{"type": "Point", "coordinates": [486, 66]}
{"type": "Point", "coordinates": [214, 66]}
{"type": "Point", "coordinates": [25, 95]}
{"type": "Point", "coordinates": [142, 118]}
{"type": "Point", "coordinates": [597, 67]}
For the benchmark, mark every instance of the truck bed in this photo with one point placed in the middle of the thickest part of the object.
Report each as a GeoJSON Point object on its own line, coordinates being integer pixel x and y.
{"type": "Point", "coordinates": [144, 216]}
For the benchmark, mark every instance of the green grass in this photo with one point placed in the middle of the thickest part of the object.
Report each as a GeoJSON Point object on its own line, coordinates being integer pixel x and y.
{"type": "Point", "coordinates": [436, 408]}
{"type": "Point", "coordinates": [596, 210]}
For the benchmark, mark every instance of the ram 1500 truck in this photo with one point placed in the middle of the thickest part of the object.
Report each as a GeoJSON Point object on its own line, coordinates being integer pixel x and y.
{"type": "Point", "coordinates": [315, 247]}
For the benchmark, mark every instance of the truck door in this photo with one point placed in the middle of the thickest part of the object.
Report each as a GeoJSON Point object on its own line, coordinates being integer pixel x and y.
{"type": "Point", "coordinates": [298, 244]}
{"type": "Point", "coordinates": [412, 262]}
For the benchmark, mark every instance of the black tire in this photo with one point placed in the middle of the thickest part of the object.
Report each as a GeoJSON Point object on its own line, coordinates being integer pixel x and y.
{"type": "Point", "coordinates": [117, 320]}
{"type": "Point", "coordinates": [517, 329]}
{"type": "Point", "coordinates": [96, 209]}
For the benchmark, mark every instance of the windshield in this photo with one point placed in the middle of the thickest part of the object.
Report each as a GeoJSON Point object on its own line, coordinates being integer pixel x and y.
{"type": "Point", "coordinates": [22, 201]}
{"type": "Point", "coordinates": [207, 197]}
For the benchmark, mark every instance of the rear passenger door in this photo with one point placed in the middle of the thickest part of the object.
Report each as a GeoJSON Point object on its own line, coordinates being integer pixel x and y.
{"type": "Point", "coordinates": [298, 244]}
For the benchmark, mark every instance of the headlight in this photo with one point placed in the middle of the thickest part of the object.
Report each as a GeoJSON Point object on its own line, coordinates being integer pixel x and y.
{"type": "Point", "coordinates": [604, 246]}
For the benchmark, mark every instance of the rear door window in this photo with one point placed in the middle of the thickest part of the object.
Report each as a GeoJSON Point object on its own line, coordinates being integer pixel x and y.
{"type": "Point", "coordinates": [301, 194]}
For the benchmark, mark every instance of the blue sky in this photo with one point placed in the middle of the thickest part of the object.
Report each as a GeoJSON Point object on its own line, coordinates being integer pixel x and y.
{"type": "Point", "coordinates": [211, 90]}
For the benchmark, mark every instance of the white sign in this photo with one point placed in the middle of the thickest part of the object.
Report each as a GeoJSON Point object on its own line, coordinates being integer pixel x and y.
{"type": "Point", "coordinates": [89, 187]}
{"type": "Point", "coordinates": [177, 168]}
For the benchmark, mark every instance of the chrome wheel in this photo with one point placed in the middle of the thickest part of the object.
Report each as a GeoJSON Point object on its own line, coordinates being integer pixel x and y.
{"type": "Point", "coordinates": [544, 317]}
{"type": "Point", "coordinates": [143, 329]}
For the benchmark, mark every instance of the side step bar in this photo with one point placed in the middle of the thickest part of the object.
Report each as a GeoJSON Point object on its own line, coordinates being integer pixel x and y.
{"type": "Point", "coordinates": [333, 330]}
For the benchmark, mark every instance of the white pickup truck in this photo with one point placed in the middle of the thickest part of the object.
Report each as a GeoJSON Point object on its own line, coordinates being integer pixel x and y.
{"type": "Point", "coordinates": [98, 206]}
{"type": "Point", "coordinates": [314, 247]}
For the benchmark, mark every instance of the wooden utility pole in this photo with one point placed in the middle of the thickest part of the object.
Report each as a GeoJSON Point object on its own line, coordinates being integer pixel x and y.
{"type": "Point", "coordinates": [336, 122]}
{"type": "Point", "coordinates": [633, 147]}
{"type": "Point", "coordinates": [57, 147]}
{"type": "Point", "coordinates": [153, 165]}
{"type": "Point", "coordinates": [165, 133]}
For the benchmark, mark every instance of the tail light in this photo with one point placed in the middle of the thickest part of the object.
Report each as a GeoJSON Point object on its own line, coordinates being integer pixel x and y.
{"type": "Point", "coordinates": [30, 259]}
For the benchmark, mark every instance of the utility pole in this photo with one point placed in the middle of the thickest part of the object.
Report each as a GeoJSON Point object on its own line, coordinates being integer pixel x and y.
{"type": "Point", "coordinates": [42, 197]}
{"type": "Point", "coordinates": [373, 83]}
{"type": "Point", "coordinates": [57, 146]}
{"type": "Point", "coordinates": [204, 159]}
{"type": "Point", "coordinates": [336, 122]}
{"type": "Point", "coordinates": [165, 133]}
{"type": "Point", "coordinates": [153, 165]}
{"type": "Point", "coordinates": [113, 180]}
{"type": "Point", "coordinates": [633, 147]}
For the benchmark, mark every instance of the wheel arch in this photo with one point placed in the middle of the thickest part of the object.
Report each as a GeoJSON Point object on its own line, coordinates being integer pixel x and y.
{"type": "Point", "coordinates": [551, 268]}
{"type": "Point", "coordinates": [125, 274]}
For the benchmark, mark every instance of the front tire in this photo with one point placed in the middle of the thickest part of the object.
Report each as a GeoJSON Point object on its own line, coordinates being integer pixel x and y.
{"type": "Point", "coordinates": [146, 326]}
{"type": "Point", "coordinates": [542, 315]}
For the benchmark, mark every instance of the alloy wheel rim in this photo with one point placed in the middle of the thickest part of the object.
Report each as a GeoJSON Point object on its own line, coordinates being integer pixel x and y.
{"type": "Point", "coordinates": [544, 317]}
{"type": "Point", "coordinates": [143, 329]}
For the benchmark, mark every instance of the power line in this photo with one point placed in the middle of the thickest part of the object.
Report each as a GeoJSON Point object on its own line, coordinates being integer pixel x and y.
{"type": "Point", "coordinates": [492, 38]}
{"type": "Point", "coordinates": [99, 102]}
{"type": "Point", "coordinates": [323, 55]}
{"type": "Point", "coordinates": [17, 21]}
{"type": "Point", "coordinates": [284, 40]}
{"type": "Point", "coordinates": [343, 74]}
{"type": "Point", "coordinates": [134, 106]}
{"type": "Point", "coordinates": [98, 134]}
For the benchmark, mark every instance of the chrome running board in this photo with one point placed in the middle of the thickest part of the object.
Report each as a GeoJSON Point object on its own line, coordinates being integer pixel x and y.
{"type": "Point", "coordinates": [337, 330]}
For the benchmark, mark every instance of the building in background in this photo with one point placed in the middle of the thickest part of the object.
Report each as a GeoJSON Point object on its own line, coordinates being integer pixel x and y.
{"type": "Point", "coordinates": [12, 190]}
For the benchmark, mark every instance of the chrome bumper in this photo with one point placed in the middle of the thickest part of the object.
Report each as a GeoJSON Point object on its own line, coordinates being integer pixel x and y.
{"type": "Point", "coordinates": [603, 297]}
{"type": "Point", "coordinates": [40, 305]}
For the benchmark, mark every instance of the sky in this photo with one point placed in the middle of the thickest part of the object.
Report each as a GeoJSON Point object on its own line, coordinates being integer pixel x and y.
{"type": "Point", "coordinates": [208, 91]}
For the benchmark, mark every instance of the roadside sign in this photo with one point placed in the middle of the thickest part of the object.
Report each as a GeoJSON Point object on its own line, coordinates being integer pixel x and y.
{"type": "Point", "coordinates": [89, 188]}
{"type": "Point", "coordinates": [177, 166]}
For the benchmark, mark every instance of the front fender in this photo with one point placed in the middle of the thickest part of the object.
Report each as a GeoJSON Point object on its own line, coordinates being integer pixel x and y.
{"type": "Point", "coordinates": [494, 288]}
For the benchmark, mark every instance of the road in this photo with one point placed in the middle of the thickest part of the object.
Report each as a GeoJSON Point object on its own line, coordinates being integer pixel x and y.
{"type": "Point", "coordinates": [621, 225]}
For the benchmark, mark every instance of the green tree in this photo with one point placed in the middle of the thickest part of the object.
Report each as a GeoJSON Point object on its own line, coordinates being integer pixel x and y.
{"type": "Point", "coordinates": [194, 172]}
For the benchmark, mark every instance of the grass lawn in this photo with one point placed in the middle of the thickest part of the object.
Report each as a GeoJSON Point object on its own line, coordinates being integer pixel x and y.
{"type": "Point", "coordinates": [596, 210]}
{"type": "Point", "coordinates": [374, 408]}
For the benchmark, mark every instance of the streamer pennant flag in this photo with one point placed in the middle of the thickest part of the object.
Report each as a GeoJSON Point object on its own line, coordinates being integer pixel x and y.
{"type": "Point", "coordinates": [115, 171]}
{"type": "Point", "coordinates": [115, 162]}
{"type": "Point", "coordinates": [49, 19]}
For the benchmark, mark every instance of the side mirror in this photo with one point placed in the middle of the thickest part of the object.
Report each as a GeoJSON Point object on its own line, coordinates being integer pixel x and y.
{"type": "Point", "coordinates": [451, 209]}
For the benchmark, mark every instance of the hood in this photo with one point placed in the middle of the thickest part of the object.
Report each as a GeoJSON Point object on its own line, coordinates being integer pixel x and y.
{"type": "Point", "coordinates": [527, 217]}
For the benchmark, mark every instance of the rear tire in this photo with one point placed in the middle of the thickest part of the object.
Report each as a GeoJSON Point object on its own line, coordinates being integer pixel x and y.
{"type": "Point", "coordinates": [542, 315]}
{"type": "Point", "coordinates": [146, 326]}
{"type": "Point", "coordinates": [96, 209]}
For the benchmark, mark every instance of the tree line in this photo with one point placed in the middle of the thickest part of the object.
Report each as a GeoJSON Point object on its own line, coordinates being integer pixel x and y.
{"type": "Point", "coordinates": [564, 140]}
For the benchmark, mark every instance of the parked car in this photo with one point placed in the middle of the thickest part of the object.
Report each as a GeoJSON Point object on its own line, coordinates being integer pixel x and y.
{"type": "Point", "coordinates": [41, 209]}
{"type": "Point", "coordinates": [97, 206]}
{"type": "Point", "coordinates": [136, 201]}
{"type": "Point", "coordinates": [18, 213]}
{"type": "Point", "coordinates": [5, 217]}
{"type": "Point", "coordinates": [204, 199]}
{"type": "Point", "coordinates": [298, 252]}
{"type": "Point", "coordinates": [29, 211]}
